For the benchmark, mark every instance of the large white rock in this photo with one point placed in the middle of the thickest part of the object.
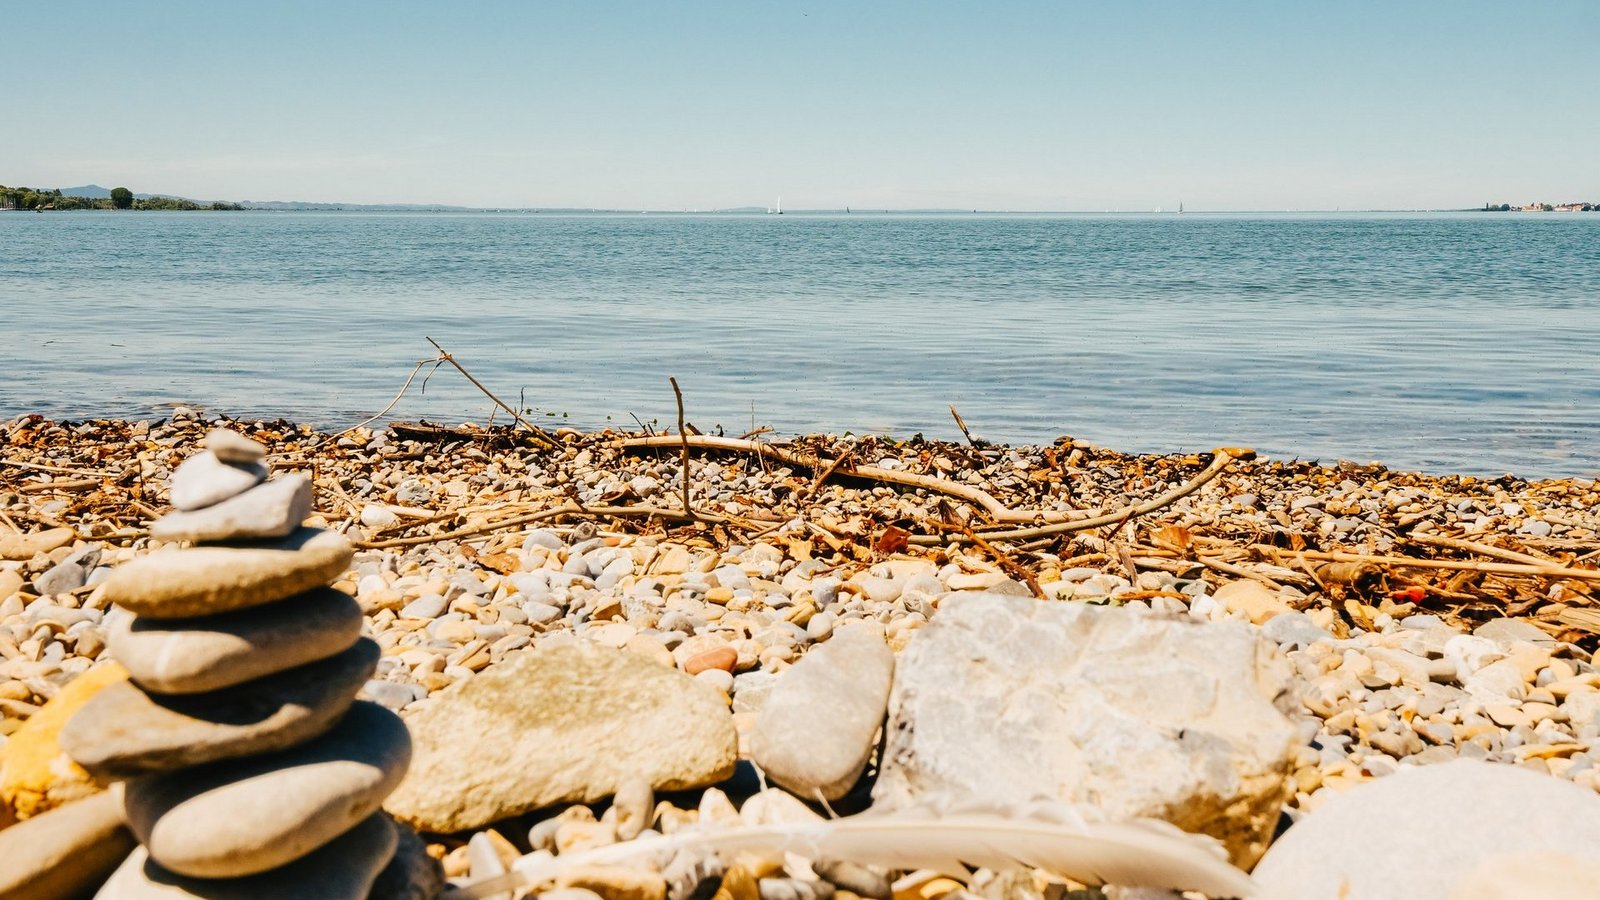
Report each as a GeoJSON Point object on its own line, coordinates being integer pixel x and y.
{"type": "Point", "coordinates": [1457, 830]}
{"type": "Point", "coordinates": [815, 732]}
{"type": "Point", "coordinates": [560, 725]}
{"type": "Point", "coordinates": [1003, 699]}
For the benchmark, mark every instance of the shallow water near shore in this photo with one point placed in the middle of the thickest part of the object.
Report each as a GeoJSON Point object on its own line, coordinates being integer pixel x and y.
{"type": "Point", "coordinates": [1443, 342]}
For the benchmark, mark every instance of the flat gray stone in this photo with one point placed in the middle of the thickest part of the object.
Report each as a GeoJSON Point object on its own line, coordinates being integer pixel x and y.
{"type": "Point", "coordinates": [247, 816]}
{"type": "Point", "coordinates": [233, 447]}
{"type": "Point", "coordinates": [69, 574]}
{"type": "Point", "coordinates": [1001, 700]}
{"type": "Point", "coordinates": [569, 724]}
{"type": "Point", "coordinates": [182, 656]}
{"type": "Point", "coordinates": [198, 581]}
{"type": "Point", "coordinates": [271, 509]}
{"type": "Point", "coordinates": [1511, 631]}
{"type": "Point", "coordinates": [203, 479]}
{"type": "Point", "coordinates": [1432, 832]}
{"type": "Point", "coordinates": [65, 852]}
{"type": "Point", "coordinates": [344, 869]}
{"type": "Point", "coordinates": [817, 728]}
{"type": "Point", "coordinates": [124, 732]}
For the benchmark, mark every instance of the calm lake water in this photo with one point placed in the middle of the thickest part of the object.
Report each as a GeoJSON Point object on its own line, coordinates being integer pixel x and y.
{"type": "Point", "coordinates": [1444, 342]}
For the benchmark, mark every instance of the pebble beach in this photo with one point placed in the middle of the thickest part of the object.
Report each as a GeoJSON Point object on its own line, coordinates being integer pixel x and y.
{"type": "Point", "coordinates": [847, 624]}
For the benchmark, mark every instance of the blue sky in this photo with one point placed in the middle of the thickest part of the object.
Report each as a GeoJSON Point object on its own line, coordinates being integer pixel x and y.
{"type": "Point", "coordinates": [999, 105]}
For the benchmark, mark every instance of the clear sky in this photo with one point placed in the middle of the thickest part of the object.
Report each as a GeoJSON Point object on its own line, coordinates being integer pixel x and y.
{"type": "Point", "coordinates": [669, 105]}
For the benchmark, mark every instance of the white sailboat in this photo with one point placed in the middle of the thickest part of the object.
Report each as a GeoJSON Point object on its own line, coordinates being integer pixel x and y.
{"type": "Point", "coordinates": [780, 204]}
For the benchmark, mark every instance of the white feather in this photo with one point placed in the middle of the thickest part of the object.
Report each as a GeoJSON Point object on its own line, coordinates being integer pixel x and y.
{"type": "Point", "coordinates": [1141, 853]}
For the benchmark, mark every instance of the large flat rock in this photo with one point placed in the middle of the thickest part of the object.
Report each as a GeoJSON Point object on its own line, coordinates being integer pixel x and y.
{"type": "Point", "coordinates": [1003, 699]}
{"type": "Point", "coordinates": [560, 725]}
{"type": "Point", "coordinates": [244, 817]}
{"type": "Point", "coordinates": [125, 732]}
{"type": "Point", "coordinates": [201, 581]}
{"type": "Point", "coordinates": [1442, 831]}
{"type": "Point", "coordinates": [816, 729]}
{"type": "Point", "coordinates": [184, 656]}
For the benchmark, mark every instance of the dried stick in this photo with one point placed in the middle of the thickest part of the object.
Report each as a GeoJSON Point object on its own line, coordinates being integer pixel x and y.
{"type": "Point", "coordinates": [1544, 570]}
{"type": "Point", "coordinates": [1212, 562]}
{"type": "Point", "coordinates": [963, 426]}
{"type": "Point", "coordinates": [1218, 463]}
{"type": "Point", "coordinates": [86, 484]}
{"type": "Point", "coordinates": [683, 440]}
{"type": "Point", "coordinates": [1011, 566]}
{"type": "Point", "coordinates": [548, 439]}
{"type": "Point", "coordinates": [997, 510]}
{"type": "Point", "coordinates": [570, 509]}
{"type": "Point", "coordinates": [1467, 546]}
{"type": "Point", "coordinates": [60, 470]}
{"type": "Point", "coordinates": [385, 411]}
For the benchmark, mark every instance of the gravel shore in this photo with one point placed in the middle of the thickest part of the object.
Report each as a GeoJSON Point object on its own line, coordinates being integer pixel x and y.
{"type": "Point", "coordinates": [1425, 618]}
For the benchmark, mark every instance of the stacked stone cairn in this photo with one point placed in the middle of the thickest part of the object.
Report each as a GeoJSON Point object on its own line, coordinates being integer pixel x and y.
{"type": "Point", "coordinates": [249, 768]}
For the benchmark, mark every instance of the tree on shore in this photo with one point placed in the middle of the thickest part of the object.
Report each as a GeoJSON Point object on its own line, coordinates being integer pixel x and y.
{"type": "Point", "coordinates": [121, 198]}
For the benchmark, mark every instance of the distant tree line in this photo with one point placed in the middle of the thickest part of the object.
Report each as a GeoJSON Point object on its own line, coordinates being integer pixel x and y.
{"type": "Point", "coordinates": [121, 198]}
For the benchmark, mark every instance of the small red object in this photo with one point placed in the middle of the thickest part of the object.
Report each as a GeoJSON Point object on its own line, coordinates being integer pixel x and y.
{"type": "Point", "coordinates": [1409, 595]}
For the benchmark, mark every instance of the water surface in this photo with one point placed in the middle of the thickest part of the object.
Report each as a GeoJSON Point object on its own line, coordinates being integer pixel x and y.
{"type": "Point", "coordinates": [1445, 342]}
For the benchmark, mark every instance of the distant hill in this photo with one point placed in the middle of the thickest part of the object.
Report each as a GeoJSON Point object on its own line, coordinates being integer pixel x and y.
{"type": "Point", "coordinates": [88, 190]}
{"type": "Point", "coordinates": [96, 192]}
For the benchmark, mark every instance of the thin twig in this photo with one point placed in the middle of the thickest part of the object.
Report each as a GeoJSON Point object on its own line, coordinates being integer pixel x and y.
{"type": "Point", "coordinates": [1407, 562]}
{"type": "Point", "coordinates": [570, 509]}
{"type": "Point", "coordinates": [543, 435]}
{"type": "Point", "coordinates": [683, 441]}
{"type": "Point", "coordinates": [1467, 546]}
{"type": "Point", "coordinates": [1012, 567]}
{"type": "Point", "coordinates": [963, 426]}
{"type": "Point", "coordinates": [59, 470]}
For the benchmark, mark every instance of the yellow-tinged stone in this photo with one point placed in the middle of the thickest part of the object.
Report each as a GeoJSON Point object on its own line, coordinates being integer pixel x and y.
{"type": "Point", "coordinates": [925, 884]}
{"type": "Point", "coordinates": [1546, 751]}
{"type": "Point", "coordinates": [737, 884]}
{"type": "Point", "coordinates": [35, 774]}
{"type": "Point", "coordinates": [1538, 712]}
{"type": "Point", "coordinates": [938, 887]}
{"type": "Point", "coordinates": [651, 649]}
{"type": "Point", "coordinates": [801, 612]}
{"type": "Point", "coordinates": [1342, 783]}
{"type": "Point", "coordinates": [1506, 715]}
{"type": "Point", "coordinates": [1255, 600]}
{"type": "Point", "coordinates": [1575, 685]}
{"type": "Point", "coordinates": [615, 882]}
{"type": "Point", "coordinates": [719, 594]}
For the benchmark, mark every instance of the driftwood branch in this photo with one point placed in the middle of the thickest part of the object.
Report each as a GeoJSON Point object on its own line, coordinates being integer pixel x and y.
{"type": "Point", "coordinates": [545, 436]}
{"type": "Point", "coordinates": [1219, 462]}
{"type": "Point", "coordinates": [1542, 570]}
{"type": "Point", "coordinates": [976, 496]}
